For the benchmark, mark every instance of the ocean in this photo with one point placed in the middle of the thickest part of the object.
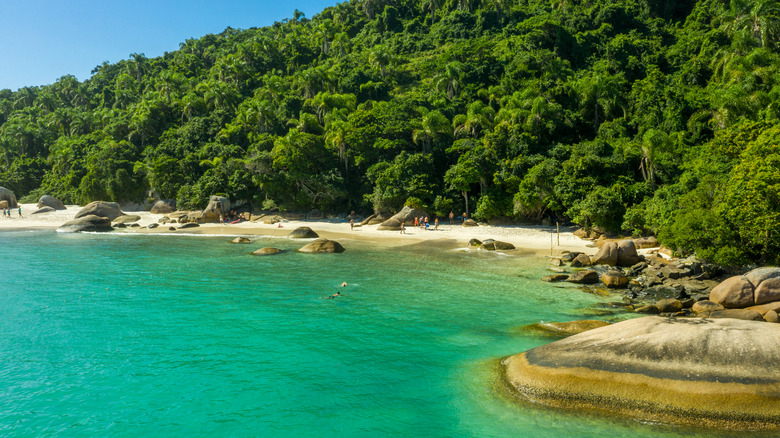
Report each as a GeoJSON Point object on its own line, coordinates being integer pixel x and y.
{"type": "Point", "coordinates": [156, 335]}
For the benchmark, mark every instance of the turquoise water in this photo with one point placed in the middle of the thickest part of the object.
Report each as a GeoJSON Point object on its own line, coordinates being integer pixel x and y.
{"type": "Point", "coordinates": [134, 335]}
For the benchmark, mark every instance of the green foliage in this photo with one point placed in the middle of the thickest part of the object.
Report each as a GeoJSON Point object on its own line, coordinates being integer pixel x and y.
{"type": "Point", "coordinates": [414, 203]}
{"type": "Point", "coordinates": [652, 116]}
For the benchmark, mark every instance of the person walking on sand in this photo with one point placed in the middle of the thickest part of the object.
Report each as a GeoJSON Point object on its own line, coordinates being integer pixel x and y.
{"type": "Point", "coordinates": [20, 211]}
{"type": "Point", "coordinates": [403, 228]}
{"type": "Point", "coordinates": [452, 216]}
{"type": "Point", "coordinates": [436, 223]}
{"type": "Point", "coordinates": [352, 225]}
{"type": "Point", "coordinates": [415, 221]}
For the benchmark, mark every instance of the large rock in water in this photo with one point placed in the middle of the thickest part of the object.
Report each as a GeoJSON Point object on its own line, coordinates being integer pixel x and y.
{"type": "Point", "coordinates": [406, 215]}
{"type": "Point", "coordinates": [86, 223]}
{"type": "Point", "coordinates": [218, 206]}
{"type": "Point", "coordinates": [163, 206]}
{"type": "Point", "coordinates": [323, 245]}
{"type": "Point", "coordinates": [50, 201]}
{"type": "Point", "coordinates": [9, 197]}
{"type": "Point", "coordinates": [702, 372]}
{"type": "Point", "coordinates": [110, 210]}
{"type": "Point", "coordinates": [303, 233]}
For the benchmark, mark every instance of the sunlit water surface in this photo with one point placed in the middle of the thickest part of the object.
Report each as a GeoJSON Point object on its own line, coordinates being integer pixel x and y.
{"type": "Point", "coordinates": [133, 335]}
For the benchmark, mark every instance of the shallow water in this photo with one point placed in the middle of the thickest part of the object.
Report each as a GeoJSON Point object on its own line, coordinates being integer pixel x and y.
{"type": "Point", "coordinates": [137, 335]}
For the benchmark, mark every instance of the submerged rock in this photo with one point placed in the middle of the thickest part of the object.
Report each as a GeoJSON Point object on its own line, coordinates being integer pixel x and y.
{"type": "Point", "coordinates": [731, 380]}
{"type": "Point", "coordinates": [323, 245]}
{"type": "Point", "coordinates": [266, 251]}
{"type": "Point", "coordinates": [563, 329]}
{"type": "Point", "coordinates": [240, 240]}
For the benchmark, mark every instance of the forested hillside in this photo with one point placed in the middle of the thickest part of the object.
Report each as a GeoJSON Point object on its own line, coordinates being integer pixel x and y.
{"type": "Point", "coordinates": [640, 115]}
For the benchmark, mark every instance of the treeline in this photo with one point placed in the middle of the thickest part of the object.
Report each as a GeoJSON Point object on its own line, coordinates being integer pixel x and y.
{"type": "Point", "coordinates": [636, 115]}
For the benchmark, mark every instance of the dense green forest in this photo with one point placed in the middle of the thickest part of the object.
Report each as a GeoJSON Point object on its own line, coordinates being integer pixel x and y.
{"type": "Point", "coordinates": [656, 116]}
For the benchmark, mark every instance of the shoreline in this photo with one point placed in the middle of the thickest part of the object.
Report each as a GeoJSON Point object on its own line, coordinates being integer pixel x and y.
{"type": "Point", "coordinates": [538, 240]}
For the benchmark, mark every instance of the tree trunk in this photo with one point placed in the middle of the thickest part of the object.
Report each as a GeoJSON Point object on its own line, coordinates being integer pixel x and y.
{"type": "Point", "coordinates": [466, 196]}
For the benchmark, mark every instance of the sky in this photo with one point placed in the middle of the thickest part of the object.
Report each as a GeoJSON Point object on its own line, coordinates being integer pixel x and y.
{"type": "Point", "coordinates": [43, 40]}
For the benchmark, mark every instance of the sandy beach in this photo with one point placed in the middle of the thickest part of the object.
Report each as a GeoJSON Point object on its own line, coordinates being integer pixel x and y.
{"type": "Point", "coordinates": [538, 240]}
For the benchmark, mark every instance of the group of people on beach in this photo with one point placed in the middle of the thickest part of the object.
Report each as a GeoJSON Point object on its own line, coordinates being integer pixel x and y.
{"type": "Point", "coordinates": [7, 212]}
{"type": "Point", "coordinates": [231, 218]}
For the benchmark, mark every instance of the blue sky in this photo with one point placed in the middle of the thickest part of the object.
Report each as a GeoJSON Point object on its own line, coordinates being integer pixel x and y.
{"type": "Point", "coordinates": [42, 40]}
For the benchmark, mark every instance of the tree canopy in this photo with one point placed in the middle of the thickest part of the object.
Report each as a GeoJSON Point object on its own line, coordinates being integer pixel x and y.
{"type": "Point", "coordinates": [636, 115]}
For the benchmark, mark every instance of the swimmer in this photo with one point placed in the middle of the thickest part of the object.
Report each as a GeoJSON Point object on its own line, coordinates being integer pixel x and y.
{"type": "Point", "coordinates": [337, 294]}
{"type": "Point", "coordinates": [344, 284]}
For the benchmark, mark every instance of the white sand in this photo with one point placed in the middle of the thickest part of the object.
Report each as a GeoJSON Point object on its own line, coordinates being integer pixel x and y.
{"type": "Point", "coordinates": [536, 239]}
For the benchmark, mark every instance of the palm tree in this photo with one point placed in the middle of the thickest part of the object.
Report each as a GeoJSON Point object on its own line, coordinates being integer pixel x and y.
{"type": "Point", "coordinates": [478, 118]}
{"type": "Point", "coordinates": [336, 137]}
{"type": "Point", "coordinates": [380, 57]}
{"type": "Point", "coordinates": [761, 18]}
{"type": "Point", "coordinates": [449, 81]}
{"type": "Point", "coordinates": [431, 5]}
{"type": "Point", "coordinates": [434, 126]}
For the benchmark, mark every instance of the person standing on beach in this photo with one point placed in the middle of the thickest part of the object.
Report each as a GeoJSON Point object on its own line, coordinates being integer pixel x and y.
{"type": "Point", "coordinates": [452, 216]}
{"type": "Point", "coordinates": [465, 216]}
{"type": "Point", "coordinates": [415, 221]}
{"type": "Point", "coordinates": [20, 211]}
{"type": "Point", "coordinates": [352, 225]}
{"type": "Point", "coordinates": [403, 228]}
{"type": "Point", "coordinates": [436, 224]}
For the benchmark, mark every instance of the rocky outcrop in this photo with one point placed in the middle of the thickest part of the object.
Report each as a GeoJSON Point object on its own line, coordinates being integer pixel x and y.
{"type": "Point", "coordinates": [584, 277]}
{"type": "Point", "coordinates": [51, 201]}
{"type": "Point", "coordinates": [555, 278]}
{"type": "Point", "coordinates": [406, 215]}
{"type": "Point", "coordinates": [374, 219]}
{"type": "Point", "coordinates": [759, 286]}
{"type": "Point", "coordinates": [90, 223]}
{"type": "Point", "coordinates": [43, 210]}
{"type": "Point", "coordinates": [494, 245]}
{"type": "Point", "coordinates": [644, 368]}
{"type": "Point", "coordinates": [240, 240]}
{"type": "Point", "coordinates": [266, 251]}
{"type": "Point", "coordinates": [470, 223]}
{"type": "Point", "coordinates": [323, 245]}
{"type": "Point", "coordinates": [621, 253]}
{"type": "Point", "coordinates": [109, 210]}
{"type": "Point", "coordinates": [127, 219]}
{"type": "Point", "coordinates": [9, 197]}
{"type": "Point", "coordinates": [218, 206]}
{"type": "Point", "coordinates": [188, 225]}
{"type": "Point", "coordinates": [475, 242]}
{"type": "Point", "coordinates": [563, 329]}
{"type": "Point", "coordinates": [614, 279]}
{"type": "Point", "coordinates": [163, 206]}
{"type": "Point", "coordinates": [303, 233]}
{"type": "Point", "coordinates": [580, 261]}
{"type": "Point", "coordinates": [744, 314]}
{"type": "Point", "coordinates": [646, 242]}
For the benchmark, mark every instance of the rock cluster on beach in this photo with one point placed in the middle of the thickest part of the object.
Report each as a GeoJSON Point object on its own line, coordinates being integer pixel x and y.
{"type": "Point", "coordinates": [702, 372]}
{"type": "Point", "coordinates": [8, 197]}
